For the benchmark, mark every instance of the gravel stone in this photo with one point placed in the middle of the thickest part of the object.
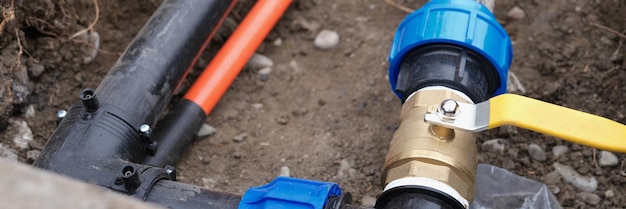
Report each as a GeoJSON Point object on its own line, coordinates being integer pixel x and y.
{"type": "Point", "coordinates": [23, 133]}
{"type": "Point", "coordinates": [559, 150]}
{"type": "Point", "coordinates": [326, 39]}
{"type": "Point", "coordinates": [284, 171]}
{"type": "Point", "coordinates": [259, 61]}
{"type": "Point", "coordinates": [551, 178]}
{"type": "Point", "coordinates": [8, 153]}
{"type": "Point", "coordinates": [589, 198]}
{"type": "Point", "coordinates": [555, 189]}
{"type": "Point", "coordinates": [206, 130]}
{"type": "Point", "coordinates": [30, 111]}
{"type": "Point", "coordinates": [607, 159]}
{"type": "Point", "coordinates": [368, 201]}
{"type": "Point", "coordinates": [264, 73]}
{"type": "Point", "coordinates": [278, 42]}
{"type": "Point", "coordinates": [240, 137]}
{"type": "Point", "coordinates": [282, 120]}
{"type": "Point", "coordinates": [345, 169]}
{"type": "Point", "coordinates": [516, 13]}
{"type": "Point", "coordinates": [257, 106]}
{"type": "Point", "coordinates": [609, 194]}
{"type": "Point", "coordinates": [493, 145]}
{"type": "Point", "coordinates": [35, 68]}
{"type": "Point", "coordinates": [32, 155]}
{"type": "Point", "coordinates": [536, 152]}
{"type": "Point", "coordinates": [587, 184]}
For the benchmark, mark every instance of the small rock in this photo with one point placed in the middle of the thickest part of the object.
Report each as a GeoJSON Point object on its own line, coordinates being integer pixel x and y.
{"type": "Point", "coordinates": [237, 154]}
{"type": "Point", "coordinates": [607, 159]}
{"type": "Point", "coordinates": [282, 120]}
{"type": "Point", "coordinates": [265, 73]}
{"type": "Point", "coordinates": [32, 155]}
{"type": "Point", "coordinates": [493, 145]}
{"type": "Point", "coordinates": [21, 74]}
{"type": "Point", "coordinates": [301, 23]}
{"type": "Point", "coordinates": [589, 198]}
{"type": "Point", "coordinates": [344, 167]}
{"type": "Point", "coordinates": [259, 61]}
{"type": "Point", "coordinates": [284, 171]}
{"type": "Point", "coordinates": [516, 13]}
{"type": "Point", "coordinates": [551, 178]}
{"type": "Point", "coordinates": [20, 91]}
{"type": "Point", "coordinates": [278, 42]}
{"type": "Point", "coordinates": [554, 189]}
{"type": "Point", "coordinates": [536, 152]}
{"type": "Point", "coordinates": [294, 66]}
{"type": "Point", "coordinates": [368, 201]}
{"type": "Point", "coordinates": [587, 184]}
{"type": "Point", "coordinates": [30, 111]}
{"type": "Point", "coordinates": [507, 131]}
{"type": "Point", "coordinates": [578, 9]}
{"type": "Point", "coordinates": [206, 130]}
{"type": "Point", "coordinates": [35, 68]}
{"type": "Point", "coordinates": [209, 182]}
{"type": "Point", "coordinates": [609, 194]}
{"type": "Point", "coordinates": [326, 39]}
{"type": "Point", "coordinates": [23, 133]}
{"type": "Point", "coordinates": [8, 153]}
{"type": "Point", "coordinates": [559, 150]}
{"type": "Point", "coordinates": [257, 106]}
{"type": "Point", "coordinates": [93, 46]}
{"type": "Point", "coordinates": [240, 137]}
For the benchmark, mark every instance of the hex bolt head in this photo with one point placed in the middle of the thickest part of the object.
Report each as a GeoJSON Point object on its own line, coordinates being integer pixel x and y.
{"type": "Point", "coordinates": [144, 128]}
{"type": "Point", "coordinates": [449, 107]}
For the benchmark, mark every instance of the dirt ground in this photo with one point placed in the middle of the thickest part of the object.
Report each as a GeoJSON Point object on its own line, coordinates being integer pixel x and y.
{"type": "Point", "coordinates": [326, 115]}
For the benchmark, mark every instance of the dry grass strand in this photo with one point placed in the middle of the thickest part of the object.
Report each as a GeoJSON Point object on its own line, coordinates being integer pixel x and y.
{"type": "Point", "coordinates": [93, 23]}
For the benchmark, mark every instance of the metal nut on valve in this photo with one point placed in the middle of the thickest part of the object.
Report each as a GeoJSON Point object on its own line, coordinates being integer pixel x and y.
{"type": "Point", "coordinates": [448, 110]}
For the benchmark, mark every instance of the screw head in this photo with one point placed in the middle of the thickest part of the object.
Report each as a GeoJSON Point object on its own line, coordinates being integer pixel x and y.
{"type": "Point", "coordinates": [144, 128]}
{"type": "Point", "coordinates": [449, 107]}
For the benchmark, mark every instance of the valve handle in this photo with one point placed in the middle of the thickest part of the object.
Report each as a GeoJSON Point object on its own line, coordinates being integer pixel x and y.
{"type": "Point", "coordinates": [535, 115]}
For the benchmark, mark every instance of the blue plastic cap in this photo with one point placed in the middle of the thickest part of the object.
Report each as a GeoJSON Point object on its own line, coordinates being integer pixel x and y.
{"type": "Point", "coordinates": [290, 193]}
{"type": "Point", "coordinates": [464, 23]}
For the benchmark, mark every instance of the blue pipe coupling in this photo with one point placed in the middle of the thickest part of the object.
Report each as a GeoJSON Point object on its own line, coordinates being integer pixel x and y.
{"type": "Point", "coordinates": [463, 23]}
{"type": "Point", "coordinates": [292, 193]}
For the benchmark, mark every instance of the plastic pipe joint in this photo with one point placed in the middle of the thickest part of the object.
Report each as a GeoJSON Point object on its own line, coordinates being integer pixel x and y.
{"type": "Point", "coordinates": [285, 192]}
{"type": "Point", "coordinates": [460, 23]}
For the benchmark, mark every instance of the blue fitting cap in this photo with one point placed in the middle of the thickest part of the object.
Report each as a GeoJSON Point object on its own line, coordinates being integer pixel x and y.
{"type": "Point", "coordinates": [292, 193]}
{"type": "Point", "coordinates": [464, 23]}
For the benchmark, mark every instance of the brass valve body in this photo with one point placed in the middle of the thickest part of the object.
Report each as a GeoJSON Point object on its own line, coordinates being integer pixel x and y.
{"type": "Point", "coordinates": [419, 149]}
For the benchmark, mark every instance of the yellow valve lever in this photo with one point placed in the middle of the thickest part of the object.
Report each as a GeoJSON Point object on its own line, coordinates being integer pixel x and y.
{"type": "Point", "coordinates": [565, 123]}
{"type": "Point", "coordinates": [510, 109]}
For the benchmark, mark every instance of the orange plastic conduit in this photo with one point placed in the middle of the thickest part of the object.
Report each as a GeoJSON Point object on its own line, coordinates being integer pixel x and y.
{"type": "Point", "coordinates": [235, 53]}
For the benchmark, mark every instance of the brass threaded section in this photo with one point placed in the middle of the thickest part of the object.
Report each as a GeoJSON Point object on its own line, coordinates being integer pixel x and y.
{"type": "Point", "coordinates": [419, 149]}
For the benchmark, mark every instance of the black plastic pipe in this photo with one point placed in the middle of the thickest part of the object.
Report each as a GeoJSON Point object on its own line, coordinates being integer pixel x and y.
{"type": "Point", "coordinates": [416, 197]}
{"type": "Point", "coordinates": [154, 64]}
{"type": "Point", "coordinates": [173, 194]}
{"type": "Point", "coordinates": [176, 132]}
{"type": "Point", "coordinates": [450, 66]}
{"type": "Point", "coordinates": [103, 139]}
